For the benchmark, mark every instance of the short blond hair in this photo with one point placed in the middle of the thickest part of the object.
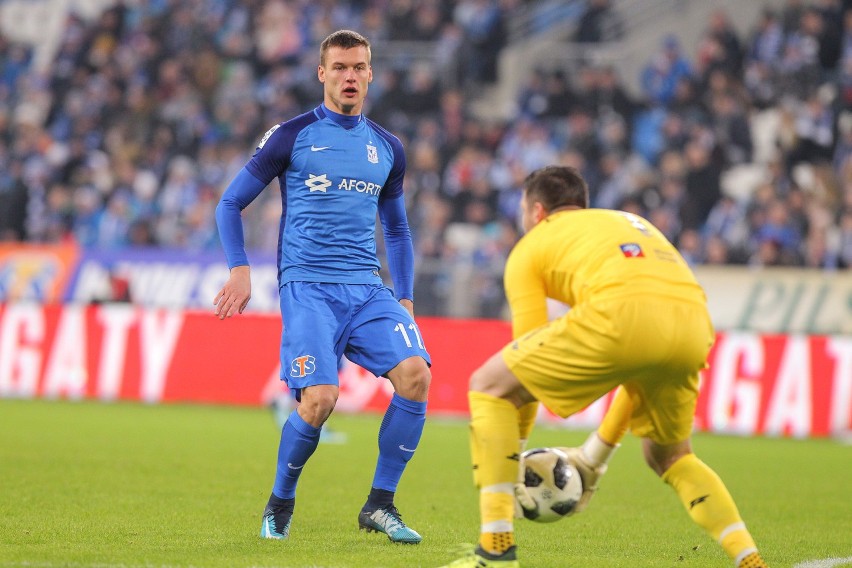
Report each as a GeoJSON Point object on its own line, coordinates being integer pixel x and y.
{"type": "Point", "coordinates": [346, 39]}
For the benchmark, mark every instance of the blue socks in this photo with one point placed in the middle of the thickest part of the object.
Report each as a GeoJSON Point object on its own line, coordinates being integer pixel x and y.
{"type": "Point", "coordinates": [399, 435]}
{"type": "Point", "coordinates": [298, 442]}
{"type": "Point", "coordinates": [398, 438]}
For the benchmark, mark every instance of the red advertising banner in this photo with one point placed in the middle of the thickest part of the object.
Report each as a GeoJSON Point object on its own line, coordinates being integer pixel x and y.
{"type": "Point", "coordinates": [776, 385]}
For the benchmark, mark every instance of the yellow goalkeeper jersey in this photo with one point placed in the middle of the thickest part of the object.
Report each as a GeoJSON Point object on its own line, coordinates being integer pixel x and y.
{"type": "Point", "coordinates": [583, 255]}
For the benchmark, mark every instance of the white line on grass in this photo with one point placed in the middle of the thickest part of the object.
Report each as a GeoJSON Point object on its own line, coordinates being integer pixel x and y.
{"type": "Point", "coordinates": [824, 563]}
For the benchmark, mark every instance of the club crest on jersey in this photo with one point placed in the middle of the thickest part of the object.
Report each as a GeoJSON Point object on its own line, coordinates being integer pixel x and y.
{"type": "Point", "coordinates": [631, 250]}
{"type": "Point", "coordinates": [267, 135]}
{"type": "Point", "coordinates": [372, 154]}
{"type": "Point", "coordinates": [303, 365]}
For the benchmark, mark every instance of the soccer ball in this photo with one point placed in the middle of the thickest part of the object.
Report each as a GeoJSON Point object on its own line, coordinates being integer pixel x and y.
{"type": "Point", "coordinates": [552, 482]}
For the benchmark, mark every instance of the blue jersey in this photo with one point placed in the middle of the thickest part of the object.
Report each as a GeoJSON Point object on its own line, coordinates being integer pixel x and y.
{"type": "Point", "coordinates": [335, 172]}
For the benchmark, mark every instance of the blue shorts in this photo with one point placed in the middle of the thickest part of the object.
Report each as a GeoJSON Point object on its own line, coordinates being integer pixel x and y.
{"type": "Point", "coordinates": [323, 322]}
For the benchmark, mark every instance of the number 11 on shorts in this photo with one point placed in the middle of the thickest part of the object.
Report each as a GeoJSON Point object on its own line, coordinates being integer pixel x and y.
{"type": "Point", "coordinates": [400, 327]}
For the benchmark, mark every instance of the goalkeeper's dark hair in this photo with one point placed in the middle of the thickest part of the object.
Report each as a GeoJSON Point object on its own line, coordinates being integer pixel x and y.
{"type": "Point", "coordinates": [346, 39]}
{"type": "Point", "coordinates": [557, 186]}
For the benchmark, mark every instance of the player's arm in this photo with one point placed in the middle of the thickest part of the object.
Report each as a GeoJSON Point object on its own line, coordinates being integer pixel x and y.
{"type": "Point", "coordinates": [397, 233]}
{"type": "Point", "coordinates": [235, 294]}
{"type": "Point", "coordinates": [525, 291]}
{"type": "Point", "coordinates": [270, 159]}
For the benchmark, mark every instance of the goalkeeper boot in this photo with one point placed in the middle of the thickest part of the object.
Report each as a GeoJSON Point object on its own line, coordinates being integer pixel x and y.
{"type": "Point", "coordinates": [387, 520]}
{"type": "Point", "coordinates": [753, 560]}
{"type": "Point", "coordinates": [479, 558]}
{"type": "Point", "coordinates": [276, 522]}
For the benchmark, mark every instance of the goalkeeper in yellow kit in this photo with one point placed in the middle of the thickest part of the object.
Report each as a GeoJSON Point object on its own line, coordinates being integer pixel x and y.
{"type": "Point", "coordinates": [638, 321]}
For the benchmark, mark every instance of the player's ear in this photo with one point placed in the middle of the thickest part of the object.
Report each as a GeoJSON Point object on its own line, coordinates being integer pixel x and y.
{"type": "Point", "coordinates": [321, 73]}
{"type": "Point", "coordinates": [370, 74]}
{"type": "Point", "coordinates": [539, 212]}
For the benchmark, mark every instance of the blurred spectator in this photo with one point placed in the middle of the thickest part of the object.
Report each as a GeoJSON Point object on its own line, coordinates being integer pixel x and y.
{"type": "Point", "coordinates": [721, 46]}
{"type": "Point", "coordinates": [732, 129]}
{"type": "Point", "coordinates": [483, 25]}
{"type": "Point", "coordinates": [611, 97]}
{"type": "Point", "coordinates": [599, 22]}
{"type": "Point", "coordinates": [780, 232]}
{"type": "Point", "coordinates": [799, 68]}
{"type": "Point", "coordinates": [791, 15]}
{"type": "Point", "coordinates": [689, 246]}
{"type": "Point", "coordinates": [701, 185]}
{"type": "Point", "coordinates": [13, 203]}
{"type": "Point", "coordinates": [147, 110]}
{"type": "Point", "coordinates": [845, 238]}
{"type": "Point", "coordinates": [844, 70]}
{"type": "Point", "coordinates": [814, 128]}
{"type": "Point", "coordinates": [662, 74]}
{"type": "Point", "coordinates": [717, 252]}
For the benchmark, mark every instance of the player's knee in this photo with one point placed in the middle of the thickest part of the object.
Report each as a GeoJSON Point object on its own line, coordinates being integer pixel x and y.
{"type": "Point", "coordinates": [480, 381]}
{"type": "Point", "coordinates": [415, 385]}
{"type": "Point", "coordinates": [494, 378]}
{"type": "Point", "coordinates": [317, 404]}
{"type": "Point", "coordinates": [411, 379]}
{"type": "Point", "coordinates": [661, 457]}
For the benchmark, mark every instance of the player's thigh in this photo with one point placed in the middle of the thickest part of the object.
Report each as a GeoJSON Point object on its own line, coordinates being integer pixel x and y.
{"type": "Point", "coordinates": [311, 314]}
{"type": "Point", "coordinates": [568, 363]}
{"type": "Point", "coordinates": [382, 333]}
{"type": "Point", "coordinates": [664, 390]}
{"type": "Point", "coordinates": [663, 408]}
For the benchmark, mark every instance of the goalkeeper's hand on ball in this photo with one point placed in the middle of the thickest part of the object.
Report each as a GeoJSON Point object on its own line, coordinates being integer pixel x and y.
{"type": "Point", "coordinates": [591, 461]}
{"type": "Point", "coordinates": [589, 473]}
{"type": "Point", "coordinates": [523, 499]}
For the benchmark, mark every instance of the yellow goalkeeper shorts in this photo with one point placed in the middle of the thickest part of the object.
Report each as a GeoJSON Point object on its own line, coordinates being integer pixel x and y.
{"type": "Point", "coordinates": [654, 347]}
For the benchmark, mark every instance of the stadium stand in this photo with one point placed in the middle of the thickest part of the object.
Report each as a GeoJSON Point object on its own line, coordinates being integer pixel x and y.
{"type": "Point", "coordinates": [122, 128]}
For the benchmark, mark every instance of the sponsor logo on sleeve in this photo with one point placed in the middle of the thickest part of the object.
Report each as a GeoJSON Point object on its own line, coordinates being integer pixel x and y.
{"type": "Point", "coordinates": [267, 135]}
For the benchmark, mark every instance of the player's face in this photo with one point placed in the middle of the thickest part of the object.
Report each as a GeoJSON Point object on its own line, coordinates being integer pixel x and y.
{"type": "Point", "coordinates": [532, 213]}
{"type": "Point", "coordinates": [345, 78]}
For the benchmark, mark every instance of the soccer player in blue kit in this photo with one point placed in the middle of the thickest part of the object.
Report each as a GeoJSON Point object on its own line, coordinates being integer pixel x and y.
{"type": "Point", "coordinates": [336, 169]}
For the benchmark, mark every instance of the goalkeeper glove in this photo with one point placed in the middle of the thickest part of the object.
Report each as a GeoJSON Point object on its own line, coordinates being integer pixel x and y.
{"type": "Point", "coordinates": [523, 500]}
{"type": "Point", "coordinates": [591, 461]}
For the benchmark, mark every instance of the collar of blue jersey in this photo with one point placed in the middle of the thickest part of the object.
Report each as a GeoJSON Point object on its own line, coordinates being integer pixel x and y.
{"type": "Point", "coordinates": [344, 120]}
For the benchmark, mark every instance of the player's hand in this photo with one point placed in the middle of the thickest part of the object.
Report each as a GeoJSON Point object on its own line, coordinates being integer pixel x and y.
{"type": "Point", "coordinates": [589, 473]}
{"type": "Point", "coordinates": [235, 294]}
{"type": "Point", "coordinates": [408, 305]}
{"type": "Point", "coordinates": [523, 500]}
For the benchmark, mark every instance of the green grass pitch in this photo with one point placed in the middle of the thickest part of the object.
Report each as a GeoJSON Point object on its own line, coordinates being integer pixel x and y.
{"type": "Point", "coordinates": [87, 484]}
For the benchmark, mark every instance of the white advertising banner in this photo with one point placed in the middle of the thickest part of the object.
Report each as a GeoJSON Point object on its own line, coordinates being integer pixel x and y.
{"type": "Point", "coordinates": [779, 300]}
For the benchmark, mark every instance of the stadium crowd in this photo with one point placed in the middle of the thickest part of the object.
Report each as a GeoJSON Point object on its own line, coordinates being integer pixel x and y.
{"type": "Point", "coordinates": [740, 155]}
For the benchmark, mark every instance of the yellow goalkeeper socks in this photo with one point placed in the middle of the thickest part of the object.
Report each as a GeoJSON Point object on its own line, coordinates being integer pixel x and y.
{"type": "Point", "coordinates": [711, 506]}
{"type": "Point", "coordinates": [526, 419]}
{"type": "Point", "coordinates": [496, 543]}
{"type": "Point", "coordinates": [495, 438]}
